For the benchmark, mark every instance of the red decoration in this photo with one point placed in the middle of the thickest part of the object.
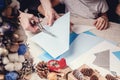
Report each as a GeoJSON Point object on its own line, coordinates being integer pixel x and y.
{"type": "Point", "coordinates": [55, 65]}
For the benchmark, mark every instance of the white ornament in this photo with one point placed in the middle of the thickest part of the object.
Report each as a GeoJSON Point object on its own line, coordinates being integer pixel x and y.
{"type": "Point", "coordinates": [13, 57]}
{"type": "Point", "coordinates": [21, 58]}
{"type": "Point", "coordinates": [3, 51]}
{"type": "Point", "coordinates": [5, 60]}
{"type": "Point", "coordinates": [17, 66]}
{"type": "Point", "coordinates": [9, 67]}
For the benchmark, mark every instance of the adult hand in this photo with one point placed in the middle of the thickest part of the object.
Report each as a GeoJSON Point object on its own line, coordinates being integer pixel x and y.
{"type": "Point", "coordinates": [101, 23]}
{"type": "Point", "coordinates": [25, 22]}
{"type": "Point", "coordinates": [50, 13]}
{"type": "Point", "coordinates": [51, 16]}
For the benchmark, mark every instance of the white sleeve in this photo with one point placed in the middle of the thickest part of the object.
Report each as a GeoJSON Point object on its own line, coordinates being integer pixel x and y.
{"type": "Point", "coordinates": [104, 6]}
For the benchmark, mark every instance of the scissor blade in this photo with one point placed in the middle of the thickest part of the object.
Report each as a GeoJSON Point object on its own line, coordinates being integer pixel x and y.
{"type": "Point", "coordinates": [45, 31]}
{"type": "Point", "coordinates": [41, 28]}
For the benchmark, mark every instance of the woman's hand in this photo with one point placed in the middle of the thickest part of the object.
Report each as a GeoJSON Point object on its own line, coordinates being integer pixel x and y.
{"type": "Point", "coordinates": [25, 19]}
{"type": "Point", "coordinates": [51, 15]}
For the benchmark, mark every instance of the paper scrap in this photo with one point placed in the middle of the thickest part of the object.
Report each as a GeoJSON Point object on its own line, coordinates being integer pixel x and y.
{"type": "Point", "coordinates": [103, 59]}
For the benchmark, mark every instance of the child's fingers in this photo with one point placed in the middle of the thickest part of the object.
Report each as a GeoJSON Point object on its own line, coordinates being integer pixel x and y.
{"type": "Point", "coordinates": [106, 25]}
{"type": "Point", "coordinates": [101, 26]}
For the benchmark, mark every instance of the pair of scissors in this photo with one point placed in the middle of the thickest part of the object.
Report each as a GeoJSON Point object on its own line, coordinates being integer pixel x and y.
{"type": "Point", "coordinates": [41, 28]}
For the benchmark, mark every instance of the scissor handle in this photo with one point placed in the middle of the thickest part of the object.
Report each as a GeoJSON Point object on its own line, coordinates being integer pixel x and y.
{"type": "Point", "coordinates": [32, 22]}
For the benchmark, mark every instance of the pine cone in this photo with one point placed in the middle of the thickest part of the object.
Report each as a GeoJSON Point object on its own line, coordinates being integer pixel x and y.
{"type": "Point", "coordinates": [27, 68]}
{"type": "Point", "coordinates": [87, 72]}
{"type": "Point", "coordinates": [110, 77]}
{"type": "Point", "coordinates": [42, 69]}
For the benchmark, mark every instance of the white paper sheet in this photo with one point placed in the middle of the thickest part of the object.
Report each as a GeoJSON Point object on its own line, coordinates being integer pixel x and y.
{"type": "Point", "coordinates": [81, 28]}
{"type": "Point", "coordinates": [57, 45]}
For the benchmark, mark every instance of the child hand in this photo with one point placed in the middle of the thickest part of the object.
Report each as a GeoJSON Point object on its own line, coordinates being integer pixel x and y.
{"type": "Point", "coordinates": [101, 23]}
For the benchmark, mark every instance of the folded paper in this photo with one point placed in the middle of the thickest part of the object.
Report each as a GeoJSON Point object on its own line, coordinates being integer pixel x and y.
{"type": "Point", "coordinates": [58, 44]}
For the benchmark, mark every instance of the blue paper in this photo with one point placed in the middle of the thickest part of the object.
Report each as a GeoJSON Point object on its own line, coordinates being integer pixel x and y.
{"type": "Point", "coordinates": [46, 56]}
{"type": "Point", "coordinates": [72, 37]}
{"type": "Point", "coordinates": [89, 33]}
{"type": "Point", "coordinates": [117, 54]}
{"type": "Point", "coordinates": [80, 45]}
{"type": "Point", "coordinates": [87, 40]}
